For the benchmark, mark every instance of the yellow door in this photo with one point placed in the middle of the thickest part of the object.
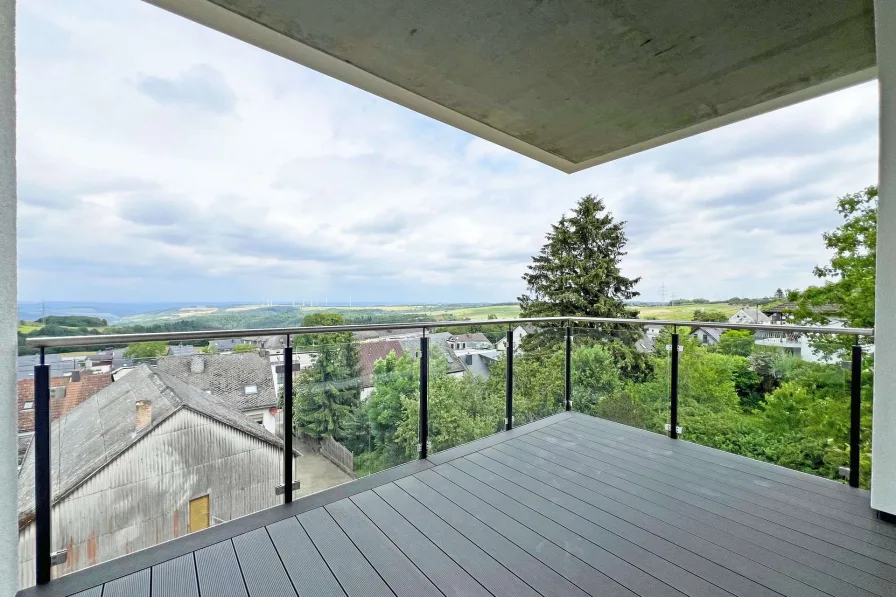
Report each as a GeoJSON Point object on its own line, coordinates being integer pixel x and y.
{"type": "Point", "coordinates": [199, 514]}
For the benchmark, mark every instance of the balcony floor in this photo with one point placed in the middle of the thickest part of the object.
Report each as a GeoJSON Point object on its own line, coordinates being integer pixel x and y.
{"type": "Point", "coordinates": [567, 506]}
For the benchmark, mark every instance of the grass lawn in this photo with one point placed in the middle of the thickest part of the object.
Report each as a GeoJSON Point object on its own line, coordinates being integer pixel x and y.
{"type": "Point", "coordinates": [29, 326]}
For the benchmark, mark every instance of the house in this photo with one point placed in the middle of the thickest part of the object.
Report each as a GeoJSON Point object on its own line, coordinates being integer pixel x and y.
{"type": "Point", "coordinates": [707, 336]}
{"type": "Point", "coordinates": [479, 363]}
{"type": "Point", "coordinates": [370, 353]}
{"type": "Point", "coordinates": [144, 460]}
{"type": "Point", "coordinates": [749, 315]}
{"type": "Point", "coordinates": [646, 344]}
{"type": "Point", "coordinates": [58, 366]}
{"type": "Point", "coordinates": [242, 380]}
{"type": "Point", "coordinates": [519, 332]}
{"type": "Point", "coordinates": [781, 313]}
{"type": "Point", "coordinates": [66, 392]}
{"type": "Point", "coordinates": [438, 348]}
{"type": "Point", "coordinates": [181, 351]}
{"type": "Point", "coordinates": [226, 345]}
{"type": "Point", "coordinates": [301, 360]}
{"type": "Point", "coordinates": [475, 341]}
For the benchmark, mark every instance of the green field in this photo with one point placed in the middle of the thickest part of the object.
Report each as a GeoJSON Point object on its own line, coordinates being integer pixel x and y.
{"type": "Point", "coordinates": [28, 326]}
{"type": "Point", "coordinates": [684, 312]}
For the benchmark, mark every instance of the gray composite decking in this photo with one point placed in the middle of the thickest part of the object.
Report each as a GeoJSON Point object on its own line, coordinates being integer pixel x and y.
{"type": "Point", "coordinates": [567, 506]}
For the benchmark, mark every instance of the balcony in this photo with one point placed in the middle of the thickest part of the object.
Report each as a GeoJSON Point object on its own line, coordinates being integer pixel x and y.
{"type": "Point", "coordinates": [568, 504]}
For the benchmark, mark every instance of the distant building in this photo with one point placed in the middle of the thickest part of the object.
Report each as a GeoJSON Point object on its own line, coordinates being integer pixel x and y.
{"type": "Point", "coordinates": [476, 341]}
{"type": "Point", "coordinates": [479, 363]}
{"type": "Point", "coordinates": [242, 380]}
{"type": "Point", "coordinates": [181, 351]}
{"type": "Point", "coordinates": [519, 332]}
{"type": "Point", "coordinates": [66, 392]}
{"type": "Point", "coordinates": [750, 315]}
{"type": "Point", "coordinates": [438, 346]}
{"type": "Point", "coordinates": [370, 353]}
{"type": "Point", "coordinates": [781, 313]}
{"type": "Point", "coordinates": [707, 336]}
{"type": "Point", "coordinates": [145, 460]}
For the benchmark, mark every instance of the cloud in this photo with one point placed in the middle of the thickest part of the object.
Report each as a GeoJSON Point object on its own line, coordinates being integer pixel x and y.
{"type": "Point", "coordinates": [133, 185]}
{"type": "Point", "coordinates": [202, 86]}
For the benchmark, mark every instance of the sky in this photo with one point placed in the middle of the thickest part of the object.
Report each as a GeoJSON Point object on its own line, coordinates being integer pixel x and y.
{"type": "Point", "coordinates": [162, 161]}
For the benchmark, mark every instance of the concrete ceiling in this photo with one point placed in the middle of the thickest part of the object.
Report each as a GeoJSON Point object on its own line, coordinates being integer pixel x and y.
{"type": "Point", "coordinates": [571, 83]}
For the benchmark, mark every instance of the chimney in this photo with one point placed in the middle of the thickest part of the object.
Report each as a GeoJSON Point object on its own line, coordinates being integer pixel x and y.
{"type": "Point", "coordinates": [144, 414]}
{"type": "Point", "coordinates": [197, 364]}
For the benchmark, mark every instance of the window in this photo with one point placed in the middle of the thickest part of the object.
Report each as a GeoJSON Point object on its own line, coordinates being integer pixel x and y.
{"type": "Point", "coordinates": [257, 418]}
{"type": "Point", "coordinates": [28, 406]}
{"type": "Point", "coordinates": [199, 514]}
{"type": "Point", "coordinates": [251, 390]}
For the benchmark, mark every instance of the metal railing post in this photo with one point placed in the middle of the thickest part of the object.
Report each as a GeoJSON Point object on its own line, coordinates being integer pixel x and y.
{"type": "Point", "coordinates": [42, 491]}
{"type": "Point", "coordinates": [673, 427]}
{"type": "Point", "coordinates": [287, 422]}
{"type": "Point", "coordinates": [508, 407]}
{"type": "Point", "coordinates": [855, 415]}
{"type": "Point", "coordinates": [423, 430]}
{"type": "Point", "coordinates": [568, 368]}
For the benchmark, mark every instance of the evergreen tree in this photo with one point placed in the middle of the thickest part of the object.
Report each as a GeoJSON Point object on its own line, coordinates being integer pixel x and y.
{"type": "Point", "coordinates": [326, 394]}
{"type": "Point", "coordinates": [577, 271]}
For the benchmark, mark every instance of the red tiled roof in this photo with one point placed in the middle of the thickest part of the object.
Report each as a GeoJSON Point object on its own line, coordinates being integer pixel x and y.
{"type": "Point", "coordinates": [75, 393]}
{"type": "Point", "coordinates": [371, 352]}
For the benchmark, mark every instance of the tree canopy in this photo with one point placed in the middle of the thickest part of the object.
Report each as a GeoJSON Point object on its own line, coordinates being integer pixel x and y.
{"type": "Point", "coordinates": [577, 272]}
{"type": "Point", "coordinates": [146, 350]}
{"type": "Point", "coordinates": [850, 275]}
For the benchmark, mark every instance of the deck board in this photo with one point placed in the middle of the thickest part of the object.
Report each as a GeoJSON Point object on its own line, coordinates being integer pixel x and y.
{"type": "Point", "coordinates": [354, 573]}
{"type": "Point", "coordinates": [444, 572]}
{"type": "Point", "coordinates": [304, 564]}
{"type": "Point", "coordinates": [175, 578]}
{"type": "Point", "coordinates": [262, 570]}
{"type": "Point", "coordinates": [570, 506]}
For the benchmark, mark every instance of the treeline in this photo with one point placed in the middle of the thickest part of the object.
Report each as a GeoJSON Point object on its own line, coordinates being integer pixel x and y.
{"type": "Point", "coordinates": [186, 325]}
{"type": "Point", "coordinates": [72, 321]}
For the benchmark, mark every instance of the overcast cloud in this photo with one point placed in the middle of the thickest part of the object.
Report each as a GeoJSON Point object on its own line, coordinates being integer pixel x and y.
{"type": "Point", "coordinates": [162, 161]}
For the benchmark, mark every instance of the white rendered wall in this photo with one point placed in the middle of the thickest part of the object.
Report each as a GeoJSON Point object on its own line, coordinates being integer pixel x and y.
{"type": "Point", "coordinates": [8, 311]}
{"type": "Point", "coordinates": [883, 466]}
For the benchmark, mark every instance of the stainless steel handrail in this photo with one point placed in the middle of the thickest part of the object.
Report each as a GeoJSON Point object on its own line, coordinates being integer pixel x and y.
{"type": "Point", "coordinates": [108, 339]}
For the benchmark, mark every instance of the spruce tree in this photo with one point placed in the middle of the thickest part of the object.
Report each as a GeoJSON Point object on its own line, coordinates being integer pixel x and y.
{"type": "Point", "coordinates": [577, 271]}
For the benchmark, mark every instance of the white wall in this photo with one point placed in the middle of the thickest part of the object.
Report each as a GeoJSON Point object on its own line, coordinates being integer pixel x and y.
{"type": "Point", "coordinates": [883, 466]}
{"type": "Point", "coordinates": [269, 421]}
{"type": "Point", "coordinates": [8, 310]}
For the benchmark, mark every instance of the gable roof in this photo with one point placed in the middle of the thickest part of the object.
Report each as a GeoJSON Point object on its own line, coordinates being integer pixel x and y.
{"type": "Point", "coordinates": [227, 376]}
{"type": "Point", "coordinates": [474, 337]}
{"type": "Point", "coordinates": [76, 392]}
{"type": "Point", "coordinates": [438, 343]}
{"type": "Point", "coordinates": [181, 350]}
{"type": "Point", "coordinates": [753, 313]}
{"type": "Point", "coordinates": [788, 307]}
{"type": "Point", "coordinates": [99, 430]}
{"type": "Point", "coordinates": [371, 352]}
{"type": "Point", "coordinates": [714, 333]}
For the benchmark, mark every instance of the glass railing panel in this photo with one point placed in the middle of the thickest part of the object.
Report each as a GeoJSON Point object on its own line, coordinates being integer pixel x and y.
{"type": "Point", "coordinates": [539, 387]}
{"type": "Point", "coordinates": [466, 384]}
{"type": "Point", "coordinates": [779, 397]}
{"type": "Point", "coordinates": [356, 401]}
{"type": "Point", "coordinates": [622, 374]}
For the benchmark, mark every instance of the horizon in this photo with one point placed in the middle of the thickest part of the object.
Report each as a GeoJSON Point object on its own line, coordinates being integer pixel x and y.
{"type": "Point", "coordinates": [187, 163]}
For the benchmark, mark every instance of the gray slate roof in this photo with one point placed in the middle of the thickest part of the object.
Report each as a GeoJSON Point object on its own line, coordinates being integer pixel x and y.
{"type": "Point", "coordinates": [97, 431]}
{"type": "Point", "coordinates": [226, 376]}
{"type": "Point", "coordinates": [437, 341]}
